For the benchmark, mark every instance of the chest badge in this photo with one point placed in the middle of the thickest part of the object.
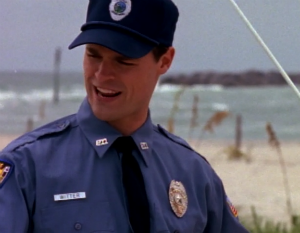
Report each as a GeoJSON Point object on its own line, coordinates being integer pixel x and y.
{"type": "Point", "coordinates": [178, 198]}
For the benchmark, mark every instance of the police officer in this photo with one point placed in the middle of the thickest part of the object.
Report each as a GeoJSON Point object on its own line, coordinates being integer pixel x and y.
{"type": "Point", "coordinates": [108, 168]}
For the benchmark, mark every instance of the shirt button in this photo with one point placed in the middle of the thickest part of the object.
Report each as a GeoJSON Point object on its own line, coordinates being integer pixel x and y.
{"type": "Point", "coordinates": [77, 226]}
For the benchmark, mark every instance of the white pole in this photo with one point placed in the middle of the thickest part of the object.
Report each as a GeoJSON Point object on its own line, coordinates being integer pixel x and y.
{"type": "Point", "coordinates": [263, 44]}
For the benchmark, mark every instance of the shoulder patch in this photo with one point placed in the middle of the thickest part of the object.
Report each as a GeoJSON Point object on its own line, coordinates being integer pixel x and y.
{"type": "Point", "coordinates": [177, 140]}
{"type": "Point", "coordinates": [54, 127]}
{"type": "Point", "coordinates": [5, 170]}
{"type": "Point", "coordinates": [232, 208]}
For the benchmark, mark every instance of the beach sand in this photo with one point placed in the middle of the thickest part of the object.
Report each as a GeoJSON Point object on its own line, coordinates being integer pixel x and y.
{"type": "Point", "coordinates": [5, 139]}
{"type": "Point", "coordinates": [257, 182]}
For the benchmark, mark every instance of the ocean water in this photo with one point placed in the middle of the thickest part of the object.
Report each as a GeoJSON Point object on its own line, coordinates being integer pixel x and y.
{"type": "Point", "coordinates": [22, 94]}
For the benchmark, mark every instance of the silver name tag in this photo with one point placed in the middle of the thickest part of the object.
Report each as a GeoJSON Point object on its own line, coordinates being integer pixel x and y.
{"type": "Point", "coordinates": [69, 196]}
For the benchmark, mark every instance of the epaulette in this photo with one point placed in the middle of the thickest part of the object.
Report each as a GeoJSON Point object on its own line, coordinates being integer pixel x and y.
{"type": "Point", "coordinates": [48, 129]}
{"type": "Point", "coordinates": [173, 137]}
{"type": "Point", "coordinates": [178, 140]}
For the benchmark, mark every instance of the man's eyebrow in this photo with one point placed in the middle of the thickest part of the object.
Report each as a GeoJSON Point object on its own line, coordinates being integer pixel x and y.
{"type": "Point", "coordinates": [92, 50]}
{"type": "Point", "coordinates": [117, 57]}
{"type": "Point", "coordinates": [122, 57]}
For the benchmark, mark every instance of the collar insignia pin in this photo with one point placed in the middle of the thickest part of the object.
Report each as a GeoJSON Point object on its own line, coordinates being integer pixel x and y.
{"type": "Point", "coordinates": [144, 146]}
{"type": "Point", "coordinates": [119, 9]}
{"type": "Point", "coordinates": [101, 142]}
{"type": "Point", "coordinates": [178, 198]}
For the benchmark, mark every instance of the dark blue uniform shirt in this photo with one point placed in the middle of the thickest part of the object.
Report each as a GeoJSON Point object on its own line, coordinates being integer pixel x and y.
{"type": "Point", "coordinates": [65, 177]}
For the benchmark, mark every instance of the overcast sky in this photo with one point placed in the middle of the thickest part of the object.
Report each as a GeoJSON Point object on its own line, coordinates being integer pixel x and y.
{"type": "Point", "coordinates": [210, 34]}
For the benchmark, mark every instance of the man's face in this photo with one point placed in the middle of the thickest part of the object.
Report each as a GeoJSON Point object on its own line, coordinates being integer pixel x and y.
{"type": "Point", "coordinates": [119, 88]}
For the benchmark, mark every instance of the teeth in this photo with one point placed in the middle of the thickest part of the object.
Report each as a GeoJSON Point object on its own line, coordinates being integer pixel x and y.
{"type": "Point", "coordinates": [105, 91]}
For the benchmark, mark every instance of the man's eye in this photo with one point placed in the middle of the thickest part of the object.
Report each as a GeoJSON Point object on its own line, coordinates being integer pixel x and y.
{"type": "Point", "coordinates": [91, 55]}
{"type": "Point", "coordinates": [126, 63]}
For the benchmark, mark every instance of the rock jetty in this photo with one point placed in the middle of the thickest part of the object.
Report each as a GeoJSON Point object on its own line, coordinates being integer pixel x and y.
{"type": "Point", "coordinates": [230, 79]}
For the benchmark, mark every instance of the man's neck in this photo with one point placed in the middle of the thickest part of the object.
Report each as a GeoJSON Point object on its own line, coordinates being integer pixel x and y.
{"type": "Point", "coordinates": [129, 125]}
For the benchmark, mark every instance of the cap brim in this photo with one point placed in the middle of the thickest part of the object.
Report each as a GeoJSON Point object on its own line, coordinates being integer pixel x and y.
{"type": "Point", "coordinates": [126, 44]}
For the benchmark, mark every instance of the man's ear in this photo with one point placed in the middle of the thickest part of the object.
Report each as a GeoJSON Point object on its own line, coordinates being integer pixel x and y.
{"type": "Point", "coordinates": [166, 60]}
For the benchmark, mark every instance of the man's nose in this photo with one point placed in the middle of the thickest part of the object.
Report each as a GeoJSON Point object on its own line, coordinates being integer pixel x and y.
{"type": "Point", "coordinates": [105, 70]}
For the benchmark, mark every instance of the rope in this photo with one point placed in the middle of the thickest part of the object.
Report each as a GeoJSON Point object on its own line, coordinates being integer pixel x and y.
{"type": "Point", "coordinates": [268, 51]}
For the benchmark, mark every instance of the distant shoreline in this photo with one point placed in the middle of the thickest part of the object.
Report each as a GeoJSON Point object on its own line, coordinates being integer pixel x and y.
{"type": "Point", "coordinates": [247, 78]}
{"type": "Point", "coordinates": [230, 79]}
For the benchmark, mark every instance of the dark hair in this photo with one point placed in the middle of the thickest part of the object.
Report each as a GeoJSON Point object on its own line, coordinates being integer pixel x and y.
{"type": "Point", "coordinates": [158, 51]}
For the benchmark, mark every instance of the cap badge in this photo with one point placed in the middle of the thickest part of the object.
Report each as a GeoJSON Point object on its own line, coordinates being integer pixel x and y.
{"type": "Point", "coordinates": [119, 9]}
{"type": "Point", "coordinates": [178, 198]}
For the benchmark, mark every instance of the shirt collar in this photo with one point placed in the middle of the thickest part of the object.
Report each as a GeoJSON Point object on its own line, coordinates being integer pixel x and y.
{"type": "Point", "coordinates": [143, 138]}
{"type": "Point", "coordinates": [101, 135]}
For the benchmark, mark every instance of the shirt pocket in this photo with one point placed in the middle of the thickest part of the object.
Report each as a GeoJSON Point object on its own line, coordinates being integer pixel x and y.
{"type": "Point", "coordinates": [186, 224]}
{"type": "Point", "coordinates": [78, 217]}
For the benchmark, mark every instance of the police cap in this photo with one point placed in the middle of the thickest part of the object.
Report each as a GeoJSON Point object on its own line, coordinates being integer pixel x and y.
{"type": "Point", "coordinates": [129, 27]}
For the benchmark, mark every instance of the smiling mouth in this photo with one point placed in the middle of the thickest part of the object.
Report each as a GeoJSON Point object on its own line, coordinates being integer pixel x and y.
{"type": "Point", "coordinates": [107, 93]}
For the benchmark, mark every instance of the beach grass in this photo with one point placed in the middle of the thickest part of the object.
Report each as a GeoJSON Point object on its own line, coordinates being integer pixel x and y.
{"type": "Point", "coordinates": [256, 175]}
{"type": "Point", "coordinates": [259, 224]}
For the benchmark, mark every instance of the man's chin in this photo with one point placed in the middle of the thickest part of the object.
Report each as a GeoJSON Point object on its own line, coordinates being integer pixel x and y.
{"type": "Point", "coordinates": [107, 116]}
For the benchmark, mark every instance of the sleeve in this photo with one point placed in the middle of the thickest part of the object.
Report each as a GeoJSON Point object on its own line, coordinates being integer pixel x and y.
{"type": "Point", "coordinates": [222, 216]}
{"type": "Point", "coordinates": [14, 206]}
